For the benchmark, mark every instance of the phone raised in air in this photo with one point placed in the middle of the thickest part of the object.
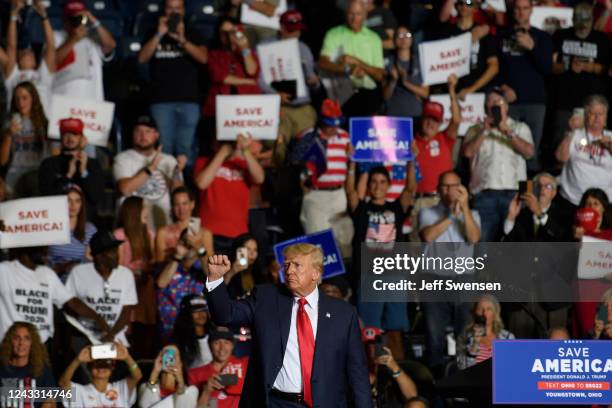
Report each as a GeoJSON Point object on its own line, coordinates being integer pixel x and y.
{"type": "Point", "coordinates": [168, 358]}
{"type": "Point", "coordinates": [525, 187]}
{"type": "Point", "coordinates": [228, 379]}
{"type": "Point", "coordinates": [497, 116]}
{"type": "Point", "coordinates": [602, 313]}
{"type": "Point", "coordinates": [173, 21]}
{"type": "Point", "coordinates": [241, 256]}
{"type": "Point", "coordinates": [104, 351]}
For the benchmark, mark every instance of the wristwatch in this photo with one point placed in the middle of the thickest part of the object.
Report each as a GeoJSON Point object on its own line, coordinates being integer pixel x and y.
{"type": "Point", "coordinates": [148, 171]}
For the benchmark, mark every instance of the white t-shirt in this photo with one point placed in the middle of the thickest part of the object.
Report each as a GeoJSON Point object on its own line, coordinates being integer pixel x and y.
{"type": "Point", "coordinates": [82, 75]}
{"type": "Point", "coordinates": [106, 298]}
{"type": "Point", "coordinates": [41, 78]}
{"type": "Point", "coordinates": [156, 190]}
{"type": "Point", "coordinates": [27, 295]}
{"type": "Point", "coordinates": [496, 165]}
{"type": "Point", "coordinates": [589, 165]}
{"type": "Point", "coordinates": [205, 355]}
{"type": "Point", "coordinates": [117, 395]}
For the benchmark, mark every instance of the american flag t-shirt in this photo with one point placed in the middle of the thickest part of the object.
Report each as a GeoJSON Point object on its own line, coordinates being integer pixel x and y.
{"type": "Point", "coordinates": [381, 226]}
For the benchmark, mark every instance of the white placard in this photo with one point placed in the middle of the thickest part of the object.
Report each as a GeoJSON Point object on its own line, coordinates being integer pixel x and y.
{"type": "Point", "coordinates": [472, 110]}
{"type": "Point", "coordinates": [497, 5]}
{"type": "Point", "coordinates": [280, 61]}
{"type": "Point", "coordinates": [595, 259]}
{"type": "Point", "coordinates": [551, 19]}
{"type": "Point", "coordinates": [252, 17]}
{"type": "Point", "coordinates": [96, 116]}
{"type": "Point", "coordinates": [257, 115]}
{"type": "Point", "coordinates": [441, 58]}
{"type": "Point", "coordinates": [31, 222]}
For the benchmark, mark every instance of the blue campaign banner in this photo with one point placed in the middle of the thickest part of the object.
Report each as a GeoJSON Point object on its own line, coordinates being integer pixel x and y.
{"type": "Point", "coordinates": [332, 259]}
{"type": "Point", "coordinates": [381, 138]}
{"type": "Point", "coordinates": [555, 372]}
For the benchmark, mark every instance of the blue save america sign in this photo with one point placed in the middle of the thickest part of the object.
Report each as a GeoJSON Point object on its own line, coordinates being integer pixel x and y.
{"type": "Point", "coordinates": [332, 259]}
{"type": "Point", "coordinates": [552, 372]}
{"type": "Point", "coordinates": [381, 138]}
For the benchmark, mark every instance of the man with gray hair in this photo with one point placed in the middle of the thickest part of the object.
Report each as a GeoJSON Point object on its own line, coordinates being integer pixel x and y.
{"type": "Point", "coordinates": [581, 56]}
{"type": "Point", "coordinates": [534, 215]}
{"type": "Point", "coordinates": [498, 150]}
{"type": "Point", "coordinates": [303, 340]}
{"type": "Point", "coordinates": [587, 154]}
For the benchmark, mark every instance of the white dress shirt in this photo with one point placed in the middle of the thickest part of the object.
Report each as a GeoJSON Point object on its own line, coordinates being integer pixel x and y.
{"type": "Point", "coordinates": [289, 378]}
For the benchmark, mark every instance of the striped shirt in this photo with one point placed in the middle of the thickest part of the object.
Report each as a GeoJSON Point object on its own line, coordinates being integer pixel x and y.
{"type": "Point", "coordinates": [74, 251]}
{"type": "Point", "coordinates": [337, 161]}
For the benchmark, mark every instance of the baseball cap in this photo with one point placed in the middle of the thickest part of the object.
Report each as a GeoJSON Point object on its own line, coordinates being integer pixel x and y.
{"type": "Point", "coordinates": [74, 8]}
{"type": "Point", "coordinates": [370, 333]}
{"type": "Point", "coordinates": [220, 332]}
{"type": "Point", "coordinates": [71, 125]}
{"type": "Point", "coordinates": [103, 240]}
{"type": "Point", "coordinates": [331, 113]}
{"type": "Point", "coordinates": [292, 20]}
{"type": "Point", "coordinates": [194, 303]}
{"type": "Point", "coordinates": [433, 110]}
{"type": "Point", "coordinates": [146, 120]}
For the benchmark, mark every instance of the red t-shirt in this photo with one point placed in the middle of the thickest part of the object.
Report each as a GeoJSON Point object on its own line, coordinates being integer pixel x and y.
{"type": "Point", "coordinates": [435, 157]}
{"type": "Point", "coordinates": [224, 205]}
{"type": "Point", "coordinates": [222, 63]}
{"type": "Point", "coordinates": [229, 397]}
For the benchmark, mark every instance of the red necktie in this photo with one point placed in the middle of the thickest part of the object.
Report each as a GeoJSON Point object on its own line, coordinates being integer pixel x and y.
{"type": "Point", "coordinates": [307, 346]}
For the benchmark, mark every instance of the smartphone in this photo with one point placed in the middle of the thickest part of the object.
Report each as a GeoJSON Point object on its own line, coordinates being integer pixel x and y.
{"type": "Point", "coordinates": [379, 351]}
{"type": "Point", "coordinates": [104, 351]}
{"type": "Point", "coordinates": [480, 324]}
{"type": "Point", "coordinates": [228, 379]}
{"type": "Point", "coordinates": [241, 256]}
{"type": "Point", "coordinates": [168, 358]}
{"type": "Point", "coordinates": [525, 187]}
{"type": "Point", "coordinates": [173, 21]}
{"type": "Point", "coordinates": [194, 226]}
{"type": "Point", "coordinates": [602, 313]}
{"type": "Point", "coordinates": [16, 118]}
{"type": "Point", "coordinates": [497, 117]}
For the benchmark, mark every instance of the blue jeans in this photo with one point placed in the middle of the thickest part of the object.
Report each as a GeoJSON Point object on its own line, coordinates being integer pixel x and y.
{"type": "Point", "coordinates": [533, 115]}
{"type": "Point", "coordinates": [492, 206]}
{"type": "Point", "coordinates": [177, 122]}
{"type": "Point", "coordinates": [438, 316]}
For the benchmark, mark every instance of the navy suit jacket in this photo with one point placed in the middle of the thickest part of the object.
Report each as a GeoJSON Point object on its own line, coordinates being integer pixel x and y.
{"type": "Point", "coordinates": [340, 370]}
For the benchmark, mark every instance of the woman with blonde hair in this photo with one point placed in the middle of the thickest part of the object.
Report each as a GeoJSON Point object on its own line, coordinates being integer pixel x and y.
{"type": "Point", "coordinates": [475, 345]}
{"type": "Point", "coordinates": [24, 362]}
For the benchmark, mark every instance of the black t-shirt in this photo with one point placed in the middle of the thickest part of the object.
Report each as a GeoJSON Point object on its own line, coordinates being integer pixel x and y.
{"type": "Point", "coordinates": [573, 88]}
{"type": "Point", "coordinates": [379, 20]}
{"type": "Point", "coordinates": [484, 49]}
{"type": "Point", "coordinates": [176, 76]}
{"type": "Point", "coordinates": [523, 70]}
{"type": "Point", "coordinates": [10, 377]}
{"type": "Point", "coordinates": [378, 223]}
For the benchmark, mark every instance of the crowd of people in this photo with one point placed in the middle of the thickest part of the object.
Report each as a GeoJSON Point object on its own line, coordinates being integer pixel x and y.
{"type": "Point", "coordinates": [134, 275]}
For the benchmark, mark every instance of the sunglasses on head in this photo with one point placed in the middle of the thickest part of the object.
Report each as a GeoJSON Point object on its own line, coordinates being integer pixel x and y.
{"type": "Point", "coordinates": [407, 34]}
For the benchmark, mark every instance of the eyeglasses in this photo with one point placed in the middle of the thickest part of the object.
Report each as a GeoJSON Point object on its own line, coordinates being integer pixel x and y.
{"type": "Point", "coordinates": [107, 290]}
{"type": "Point", "coordinates": [547, 186]}
{"type": "Point", "coordinates": [404, 35]}
{"type": "Point", "coordinates": [449, 185]}
{"type": "Point", "coordinates": [466, 3]}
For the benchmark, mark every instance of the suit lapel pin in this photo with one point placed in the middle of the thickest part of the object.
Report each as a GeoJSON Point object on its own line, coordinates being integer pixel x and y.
{"type": "Point", "coordinates": [328, 315]}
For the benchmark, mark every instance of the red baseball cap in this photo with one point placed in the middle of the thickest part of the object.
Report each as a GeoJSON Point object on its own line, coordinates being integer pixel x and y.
{"type": "Point", "coordinates": [74, 8]}
{"type": "Point", "coordinates": [433, 110]}
{"type": "Point", "coordinates": [292, 20]}
{"type": "Point", "coordinates": [71, 125]}
{"type": "Point", "coordinates": [370, 333]}
{"type": "Point", "coordinates": [331, 113]}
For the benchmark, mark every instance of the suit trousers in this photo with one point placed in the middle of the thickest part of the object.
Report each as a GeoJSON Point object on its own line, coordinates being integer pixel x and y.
{"type": "Point", "coordinates": [274, 402]}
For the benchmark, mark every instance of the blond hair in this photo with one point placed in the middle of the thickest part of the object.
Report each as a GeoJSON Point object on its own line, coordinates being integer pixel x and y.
{"type": "Point", "coordinates": [315, 252]}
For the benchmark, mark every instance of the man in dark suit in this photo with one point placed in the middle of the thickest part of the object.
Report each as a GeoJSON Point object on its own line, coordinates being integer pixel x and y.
{"type": "Point", "coordinates": [534, 218]}
{"type": "Point", "coordinates": [307, 348]}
